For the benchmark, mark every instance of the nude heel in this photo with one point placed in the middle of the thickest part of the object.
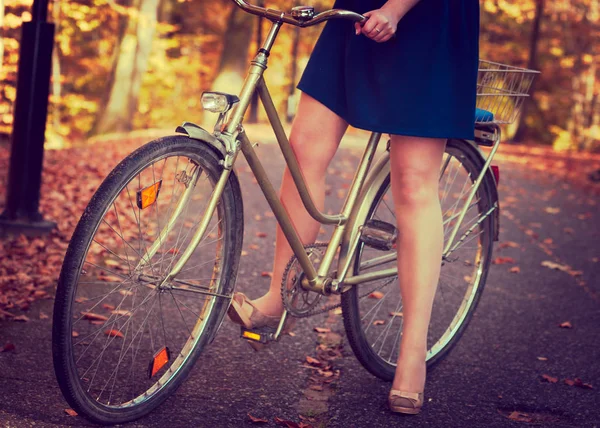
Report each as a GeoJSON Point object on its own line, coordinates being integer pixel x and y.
{"type": "Point", "coordinates": [409, 403]}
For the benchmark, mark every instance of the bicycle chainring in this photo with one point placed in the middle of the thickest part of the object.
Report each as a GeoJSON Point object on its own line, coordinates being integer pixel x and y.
{"type": "Point", "coordinates": [296, 300]}
{"type": "Point", "coordinates": [301, 303]}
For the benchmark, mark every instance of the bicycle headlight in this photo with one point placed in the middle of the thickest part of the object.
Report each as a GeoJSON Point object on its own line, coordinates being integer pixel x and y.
{"type": "Point", "coordinates": [218, 102]}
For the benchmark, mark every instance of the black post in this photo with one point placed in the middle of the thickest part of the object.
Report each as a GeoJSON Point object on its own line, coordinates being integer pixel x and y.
{"type": "Point", "coordinates": [21, 213]}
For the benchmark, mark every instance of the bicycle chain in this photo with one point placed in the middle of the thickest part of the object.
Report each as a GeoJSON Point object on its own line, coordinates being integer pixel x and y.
{"type": "Point", "coordinates": [326, 308]}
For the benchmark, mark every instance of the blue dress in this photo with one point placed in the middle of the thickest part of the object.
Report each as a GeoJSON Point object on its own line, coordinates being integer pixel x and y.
{"type": "Point", "coordinates": [420, 83]}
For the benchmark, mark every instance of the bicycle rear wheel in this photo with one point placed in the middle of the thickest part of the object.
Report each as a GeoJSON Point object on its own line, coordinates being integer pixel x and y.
{"type": "Point", "coordinates": [373, 321]}
{"type": "Point", "coordinates": [121, 342]}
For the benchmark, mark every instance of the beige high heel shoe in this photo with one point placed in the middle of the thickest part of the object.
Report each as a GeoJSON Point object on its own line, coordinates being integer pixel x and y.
{"type": "Point", "coordinates": [244, 313]}
{"type": "Point", "coordinates": [408, 403]}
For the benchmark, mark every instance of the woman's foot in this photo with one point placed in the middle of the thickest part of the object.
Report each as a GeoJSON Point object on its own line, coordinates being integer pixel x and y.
{"type": "Point", "coordinates": [246, 313]}
{"type": "Point", "coordinates": [406, 395]}
{"type": "Point", "coordinates": [270, 304]}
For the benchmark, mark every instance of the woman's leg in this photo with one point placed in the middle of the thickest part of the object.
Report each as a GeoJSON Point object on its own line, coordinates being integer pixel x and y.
{"type": "Point", "coordinates": [415, 165]}
{"type": "Point", "coordinates": [315, 136]}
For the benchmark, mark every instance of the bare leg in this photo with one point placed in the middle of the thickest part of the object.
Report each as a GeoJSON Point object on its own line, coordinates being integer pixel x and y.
{"type": "Point", "coordinates": [315, 137]}
{"type": "Point", "coordinates": [415, 164]}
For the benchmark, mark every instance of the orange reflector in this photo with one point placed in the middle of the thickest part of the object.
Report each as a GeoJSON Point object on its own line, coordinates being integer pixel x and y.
{"type": "Point", "coordinates": [158, 362]}
{"type": "Point", "coordinates": [147, 196]}
{"type": "Point", "coordinates": [250, 335]}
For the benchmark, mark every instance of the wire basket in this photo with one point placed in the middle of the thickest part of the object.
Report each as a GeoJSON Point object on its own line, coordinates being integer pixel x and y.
{"type": "Point", "coordinates": [501, 90]}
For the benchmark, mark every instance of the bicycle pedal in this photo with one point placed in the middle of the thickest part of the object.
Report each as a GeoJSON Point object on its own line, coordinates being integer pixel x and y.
{"type": "Point", "coordinates": [258, 335]}
{"type": "Point", "coordinates": [379, 235]}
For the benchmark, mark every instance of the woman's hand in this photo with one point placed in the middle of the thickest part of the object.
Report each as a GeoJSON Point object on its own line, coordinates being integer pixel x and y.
{"type": "Point", "coordinates": [380, 26]}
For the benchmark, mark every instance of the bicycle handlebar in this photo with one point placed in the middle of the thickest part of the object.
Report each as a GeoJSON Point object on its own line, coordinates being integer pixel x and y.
{"type": "Point", "coordinates": [278, 15]}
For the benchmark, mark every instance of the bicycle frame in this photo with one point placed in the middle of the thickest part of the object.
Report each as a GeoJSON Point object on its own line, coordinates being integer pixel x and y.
{"type": "Point", "coordinates": [235, 140]}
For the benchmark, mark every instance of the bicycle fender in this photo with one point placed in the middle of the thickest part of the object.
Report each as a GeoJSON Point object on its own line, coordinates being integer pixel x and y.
{"type": "Point", "coordinates": [490, 181]}
{"type": "Point", "coordinates": [198, 133]}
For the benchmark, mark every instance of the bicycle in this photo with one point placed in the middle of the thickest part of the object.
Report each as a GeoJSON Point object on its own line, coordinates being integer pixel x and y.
{"type": "Point", "coordinates": [132, 314]}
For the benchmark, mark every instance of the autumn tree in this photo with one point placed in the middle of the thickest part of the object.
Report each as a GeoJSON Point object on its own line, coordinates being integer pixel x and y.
{"type": "Point", "coordinates": [129, 68]}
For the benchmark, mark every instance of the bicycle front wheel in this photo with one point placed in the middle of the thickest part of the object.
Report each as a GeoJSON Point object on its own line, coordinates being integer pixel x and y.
{"type": "Point", "coordinates": [123, 339]}
{"type": "Point", "coordinates": [372, 311]}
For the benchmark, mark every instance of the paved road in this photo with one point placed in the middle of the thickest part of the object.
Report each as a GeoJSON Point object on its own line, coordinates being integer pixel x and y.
{"type": "Point", "coordinates": [495, 370]}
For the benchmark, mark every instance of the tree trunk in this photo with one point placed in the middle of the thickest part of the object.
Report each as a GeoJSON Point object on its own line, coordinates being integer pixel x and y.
{"type": "Point", "coordinates": [521, 131]}
{"type": "Point", "coordinates": [130, 66]}
{"type": "Point", "coordinates": [293, 94]}
{"type": "Point", "coordinates": [234, 59]}
{"type": "Point", "coordinates": [56, 81]}
{"type": "Point", "coordinates": [1, 34]}
{"type": "Point", "coordinates": [253, 110]}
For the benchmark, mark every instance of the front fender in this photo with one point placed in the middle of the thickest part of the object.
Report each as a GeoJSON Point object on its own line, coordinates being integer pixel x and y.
{"type": "Point", "coordinates": [198, 133]}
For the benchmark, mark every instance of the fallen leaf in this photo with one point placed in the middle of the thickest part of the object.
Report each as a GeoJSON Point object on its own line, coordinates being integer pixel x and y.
{"type": "Point", "coordinates": [548, 241]}
{"type": "Point", "coordinates": [284, 423]}
{"type": "Point", "coordinates": [122, 312]}
{"type": "Point", "coordinates": [515, 269]}
{"type": "Point", "coordinates": [376, 295]}
{"type": "Point", "coordinates": [21, 318]}
{"type": "Point", "coordinates": [44, 316]}
{"type": "Point", "coordinates": [548, 378]}
{"type": "Point", "coordinates": [258, 217]}
{"type": "Point", "coordinates": [565, 324]}
{"type": "Point", "coordinates": [578, 383]}
{"type": "Point", "coordinates": [253, 247]}
{"type": "Point", "coordinates": [503, 260]}
{"type": "Point", "coordinates": [173, 251]}
{"type": "Point", "coordinates": [70, 412]}
{"type": "Point", "coordinates": [256, 420]}
{"type": "Point", "coordinates": [552, 210]}
{"type": "Point", "coordinates": [313, 361]}
{"type": "Point", "coordinates": [74, 334]}
{"type": "Point", "coordinates": [553, 265]}
{"type": "Point", "coordinates": [569, 230]}
{"type": "Point", "coordinates": [261, 234]}
{"type": "Point", "coordinates": [520, 417]}
{"type": "Point", "coordinates": [542, 358]}
{"type": "Point", "coordinates": [110, 278]}
{"type": "Point", "coordinates": [267, 274]}
{"type": "Point", "coordinates": [90, 316]}
{"type": "Point", "coordinates": [126, 292]}
{"type": "Point", "coordinates": [378, 322]}
{"type": "Point", "coordinates": [8, 347]}
{"type": "Point", "coordinates": [316, 387]}
{"type": "Point", "coordinates": [322, 330]}
{"type": "Point", "coordinates": [396, 314]}
{"type": "Point", "coordinates": [507, 244]}
{"type": "Point", "coordinates": [531, 233]}
{"type": "Point", "coordinates": [112, 263]}
{"type": "Point", "coordinates": [114, 333]}
{"type": "Point", "coordinates": [108, 307]}
{"type": "Point", "coordinates": [244, 253]}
